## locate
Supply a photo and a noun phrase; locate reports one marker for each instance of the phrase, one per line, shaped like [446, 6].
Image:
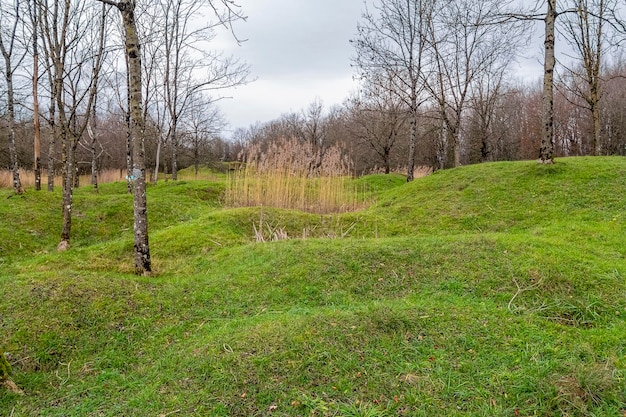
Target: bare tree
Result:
[546, 151]
[201, 123]
[392, 39]
[486, 99]
[314, 130]
[590, 33]
[70, 48]
[93, 117]
[33, 12]
[143, 264]
[614, 109]
[186, 54]
[465, 47]
[608, 14]
[379, 119]
[9, 24]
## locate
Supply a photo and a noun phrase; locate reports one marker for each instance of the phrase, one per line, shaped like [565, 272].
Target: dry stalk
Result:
[521, 290]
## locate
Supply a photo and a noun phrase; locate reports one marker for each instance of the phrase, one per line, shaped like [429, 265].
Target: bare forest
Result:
[439, 87]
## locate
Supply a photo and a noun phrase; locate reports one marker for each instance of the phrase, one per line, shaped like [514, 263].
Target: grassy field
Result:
[488, 290]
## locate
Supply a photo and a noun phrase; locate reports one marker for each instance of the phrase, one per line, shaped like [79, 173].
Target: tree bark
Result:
[597, 129]
[52, 143]
[68, 182]
[410, 176]
[94, 154]
[174, 142]
[142, 248]
[157, 163]
[546, 152]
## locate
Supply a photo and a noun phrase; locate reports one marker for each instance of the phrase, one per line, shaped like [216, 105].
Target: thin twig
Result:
[521, 290]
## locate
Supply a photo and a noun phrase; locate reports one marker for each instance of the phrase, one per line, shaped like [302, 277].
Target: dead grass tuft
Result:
[585, 388]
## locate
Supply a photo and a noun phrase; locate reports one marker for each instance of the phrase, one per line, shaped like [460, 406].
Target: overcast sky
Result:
[299, 51]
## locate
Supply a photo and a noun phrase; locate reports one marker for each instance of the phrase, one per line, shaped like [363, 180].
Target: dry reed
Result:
[295, 175]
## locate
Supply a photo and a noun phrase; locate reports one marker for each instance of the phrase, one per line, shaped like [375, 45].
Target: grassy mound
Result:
[489, 290]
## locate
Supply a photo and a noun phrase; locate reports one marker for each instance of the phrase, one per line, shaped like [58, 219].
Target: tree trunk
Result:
[155, 175]
[457, 148]
[36, 125]
[142, 248]
[196, 158]
[51, 146]
[442, 146]
[34, 18]
[597, 130]
[546, 152]
[174, 143]
[68, 182]
[386, 159]
[17, 184]
[129, 155]
[54, 128]
[412, 143]
[94, 154]
[76, 176]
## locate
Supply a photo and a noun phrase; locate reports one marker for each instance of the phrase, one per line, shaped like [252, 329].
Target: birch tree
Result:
[143, 265]
[9, 25]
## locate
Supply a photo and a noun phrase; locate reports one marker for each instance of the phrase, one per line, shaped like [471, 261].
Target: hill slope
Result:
[493, 290]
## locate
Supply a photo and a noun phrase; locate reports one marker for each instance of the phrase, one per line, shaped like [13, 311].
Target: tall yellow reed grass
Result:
[291, 174]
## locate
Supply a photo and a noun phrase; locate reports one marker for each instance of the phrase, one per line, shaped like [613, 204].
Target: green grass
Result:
[489, 290]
